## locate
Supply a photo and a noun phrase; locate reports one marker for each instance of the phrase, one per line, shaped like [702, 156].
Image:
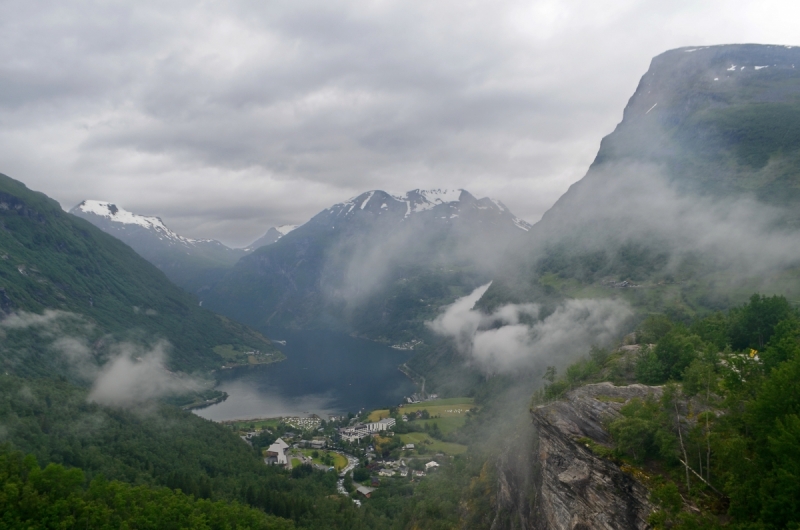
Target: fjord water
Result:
[324, 373]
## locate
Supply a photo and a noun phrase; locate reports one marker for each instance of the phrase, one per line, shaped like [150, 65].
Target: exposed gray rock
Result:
[575, 489]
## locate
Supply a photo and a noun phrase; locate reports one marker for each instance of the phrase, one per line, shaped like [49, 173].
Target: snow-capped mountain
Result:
[449, 205]
[371, 263]
[124, 219]
[191, 263]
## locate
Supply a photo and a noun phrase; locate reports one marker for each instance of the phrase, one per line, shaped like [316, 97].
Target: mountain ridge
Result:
[192, 264]
[57, 261]
[330, 271]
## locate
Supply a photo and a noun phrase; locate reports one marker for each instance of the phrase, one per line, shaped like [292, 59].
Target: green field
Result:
[435, 446]
[450, 414]
[446, 424]
[437, 407]
[377, 415]
[245, 426]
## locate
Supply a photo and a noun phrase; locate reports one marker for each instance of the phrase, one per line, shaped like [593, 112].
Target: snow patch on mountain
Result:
[119, 215]
[285, 229]
[438, 196]
[417, 201]
[499, 205]
[364, 204]
[521, 224]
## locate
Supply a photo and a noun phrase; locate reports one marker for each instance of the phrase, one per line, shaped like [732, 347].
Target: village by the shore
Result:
[369, 449]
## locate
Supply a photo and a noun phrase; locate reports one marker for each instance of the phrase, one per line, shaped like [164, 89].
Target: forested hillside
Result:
[58, 497]
[52, 260]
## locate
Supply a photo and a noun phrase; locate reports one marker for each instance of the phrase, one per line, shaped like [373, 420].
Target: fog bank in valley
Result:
[514, 337]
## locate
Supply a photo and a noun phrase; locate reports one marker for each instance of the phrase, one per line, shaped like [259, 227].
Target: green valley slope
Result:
[50, 259]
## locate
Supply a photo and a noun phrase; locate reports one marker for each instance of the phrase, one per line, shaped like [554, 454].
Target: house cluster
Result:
[393, 468]
[418, 414]
[304, 424]
[362, 430]
[248, 437]
[257, 352]
[277, 453]
[406, 345]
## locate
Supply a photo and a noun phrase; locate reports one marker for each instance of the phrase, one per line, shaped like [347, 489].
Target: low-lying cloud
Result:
[634, 202]
[123, 375]
[514, 336]
[46, 321]
[136, 375]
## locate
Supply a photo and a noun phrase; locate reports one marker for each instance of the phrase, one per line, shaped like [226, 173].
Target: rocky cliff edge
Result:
[574, 488]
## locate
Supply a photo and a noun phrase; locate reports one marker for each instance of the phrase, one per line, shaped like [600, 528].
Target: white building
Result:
[431, 465]
[356, 432]
[387, 423]
[382, 425]
[362, 430]
[276, 453]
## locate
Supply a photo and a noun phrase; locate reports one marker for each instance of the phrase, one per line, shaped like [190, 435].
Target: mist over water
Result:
[324, 373]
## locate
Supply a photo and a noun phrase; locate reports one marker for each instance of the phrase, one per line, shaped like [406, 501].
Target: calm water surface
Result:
[324, 373]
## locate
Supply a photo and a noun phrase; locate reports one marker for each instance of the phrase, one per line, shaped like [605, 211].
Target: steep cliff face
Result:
[568, 486]
[708, 132]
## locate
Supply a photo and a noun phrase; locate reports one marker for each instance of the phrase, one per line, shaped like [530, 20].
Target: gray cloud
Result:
[514, 336]
[635, 202]
[228, 117]
[46, 321]
[358, 267]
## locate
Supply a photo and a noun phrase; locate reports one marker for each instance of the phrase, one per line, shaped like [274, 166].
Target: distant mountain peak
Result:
[191, 263]
[418, 201]
[114, 213]
[270, 237]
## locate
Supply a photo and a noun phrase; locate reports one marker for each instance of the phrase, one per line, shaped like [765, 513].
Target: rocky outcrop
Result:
[573, 487]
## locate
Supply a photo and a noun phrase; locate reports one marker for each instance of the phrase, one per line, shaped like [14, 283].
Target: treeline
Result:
[724, 435]
[162, 446]
[57, 497]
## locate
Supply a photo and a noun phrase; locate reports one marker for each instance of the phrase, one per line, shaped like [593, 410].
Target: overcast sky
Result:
[225, 118]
